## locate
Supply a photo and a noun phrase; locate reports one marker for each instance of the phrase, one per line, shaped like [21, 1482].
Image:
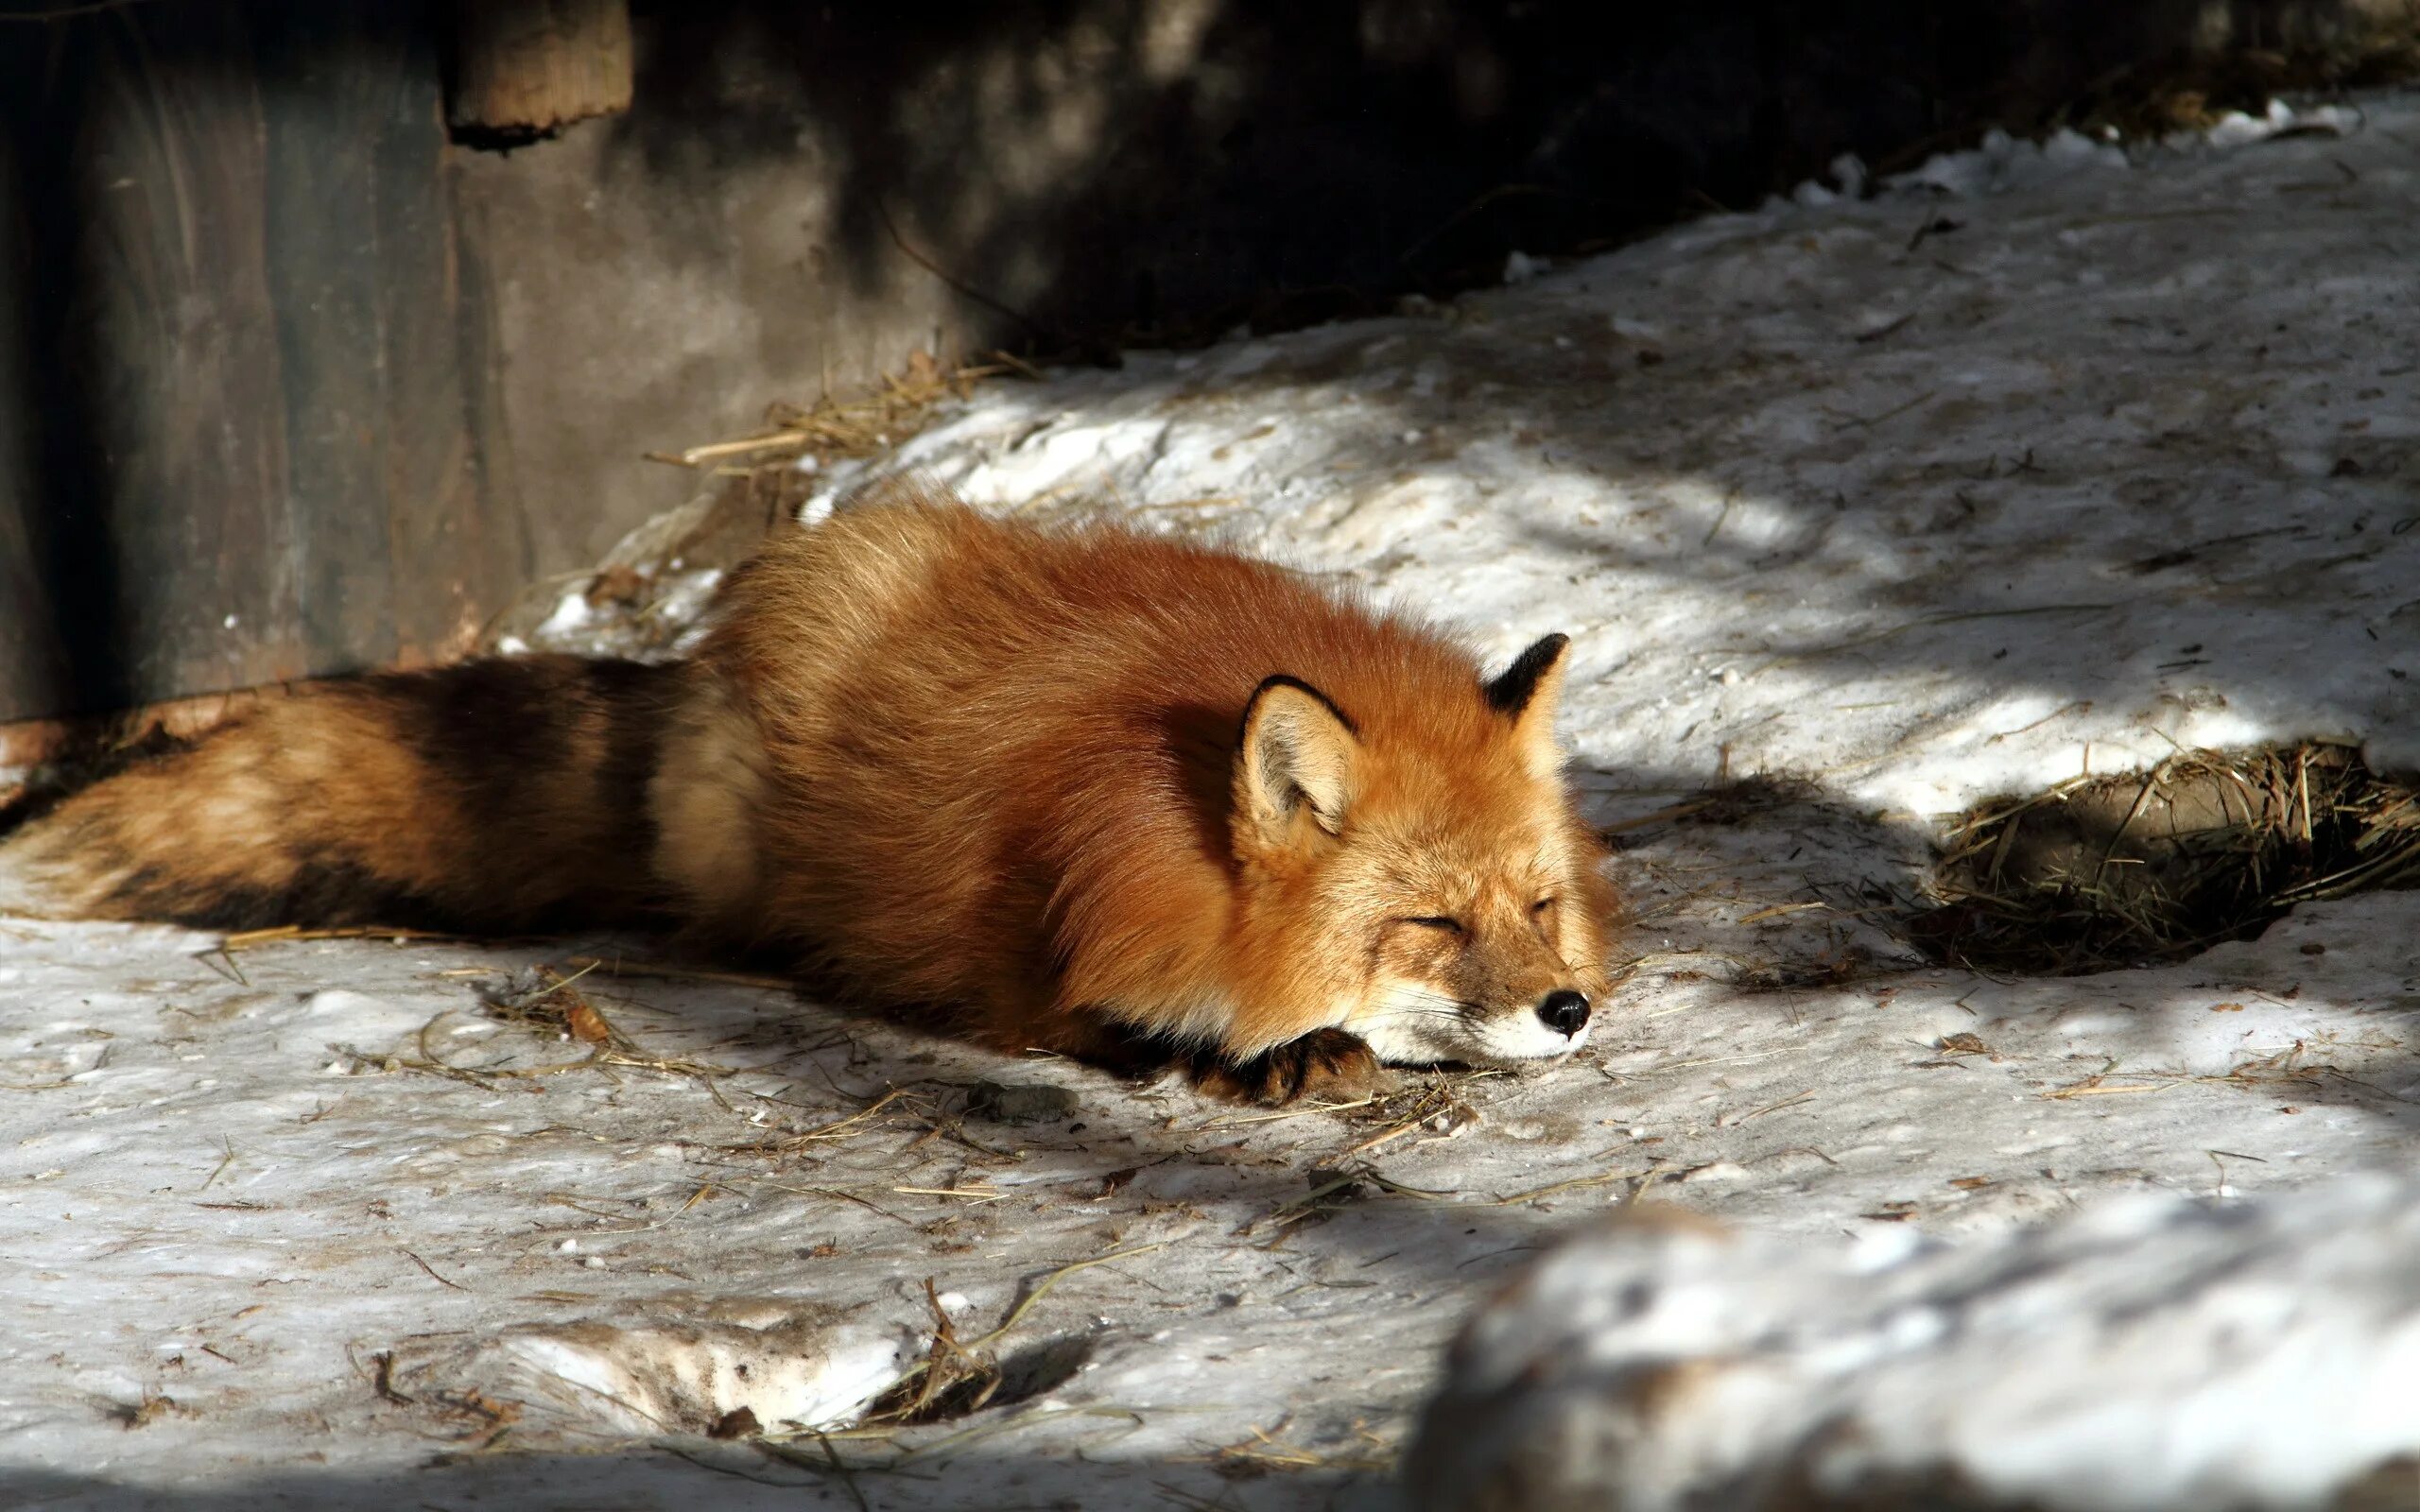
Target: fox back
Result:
[1056, 787]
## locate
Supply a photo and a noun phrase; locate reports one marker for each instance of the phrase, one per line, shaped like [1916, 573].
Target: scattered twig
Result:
[224, 1162]
[950, 1360]
[1572, 1185]
[959, 285]
[432, 1273]
[683, 973]
[1775, 1107]
[1865, 421]
[246, 939]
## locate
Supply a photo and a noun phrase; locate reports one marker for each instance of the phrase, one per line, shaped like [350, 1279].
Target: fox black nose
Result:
[1563, 1011]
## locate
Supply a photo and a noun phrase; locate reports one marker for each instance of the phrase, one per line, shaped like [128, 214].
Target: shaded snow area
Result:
[2149, 1355]
[1861, 510]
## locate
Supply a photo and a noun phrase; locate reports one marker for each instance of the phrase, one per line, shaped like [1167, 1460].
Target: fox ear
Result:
[1297, 757]
[1527, 693]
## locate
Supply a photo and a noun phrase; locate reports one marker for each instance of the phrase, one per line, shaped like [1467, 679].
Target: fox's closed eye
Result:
[1542, 905]
[1437, 921]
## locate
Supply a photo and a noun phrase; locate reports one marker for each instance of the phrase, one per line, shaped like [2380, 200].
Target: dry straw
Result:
[833, 430]
[2155, 866]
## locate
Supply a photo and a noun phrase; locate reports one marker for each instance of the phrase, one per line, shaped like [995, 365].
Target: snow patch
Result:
[571, 615]
[794, 1369]
[2145, 1356]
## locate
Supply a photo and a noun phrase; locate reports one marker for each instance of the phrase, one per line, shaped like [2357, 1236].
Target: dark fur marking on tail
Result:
[498, 728]
[503, 734]
[1511, 692]
[492, 729]
[640, 698]
[325, 894]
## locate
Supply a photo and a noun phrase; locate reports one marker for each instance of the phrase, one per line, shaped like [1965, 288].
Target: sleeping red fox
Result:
[1078, 791]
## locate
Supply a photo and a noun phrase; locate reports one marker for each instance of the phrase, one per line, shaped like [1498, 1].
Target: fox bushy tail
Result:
[495, 795]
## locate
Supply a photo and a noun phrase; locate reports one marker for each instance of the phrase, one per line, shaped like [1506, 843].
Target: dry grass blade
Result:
[541, 998]
[1779, 910]
[895, 1110]
[1575, 1183]
[2096, 1087]
[681, 973]
[2288, 1066]
[1131, 1419]
[1265, 1448]
[1042, 1288]
[842, 1126]
[828, 1464]
[959, 1375]
[947, 1365]
[1436, 1105]
[246, 939]
[833, 430]
[1331, 1188]
[1308, 1111]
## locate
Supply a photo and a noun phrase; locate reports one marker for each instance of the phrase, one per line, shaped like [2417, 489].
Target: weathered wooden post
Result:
[524, 69]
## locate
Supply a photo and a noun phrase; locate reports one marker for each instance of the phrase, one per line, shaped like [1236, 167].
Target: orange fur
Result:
[1059, 787]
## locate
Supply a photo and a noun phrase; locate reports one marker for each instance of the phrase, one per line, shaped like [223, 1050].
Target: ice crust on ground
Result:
[2150, 1354]
[1901, 501]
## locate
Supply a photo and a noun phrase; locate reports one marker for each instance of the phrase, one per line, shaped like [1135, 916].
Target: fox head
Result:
[1421, 879]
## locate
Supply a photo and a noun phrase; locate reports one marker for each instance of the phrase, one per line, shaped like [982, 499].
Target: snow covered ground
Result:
[2049, 461]
[2149, 1355]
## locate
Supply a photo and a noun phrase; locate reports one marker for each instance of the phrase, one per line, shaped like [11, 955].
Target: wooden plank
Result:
[40, 419]
[455, 522]
[182, 360]
[400, 555]
[333, 79]
[402, 550]
[239, 446]
[527, 68]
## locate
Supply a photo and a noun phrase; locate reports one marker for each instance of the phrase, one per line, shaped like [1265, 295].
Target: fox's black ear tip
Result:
[1511, 692]
[1285, 680]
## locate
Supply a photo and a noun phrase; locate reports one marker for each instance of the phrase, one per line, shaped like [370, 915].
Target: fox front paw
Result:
[1325, 1063]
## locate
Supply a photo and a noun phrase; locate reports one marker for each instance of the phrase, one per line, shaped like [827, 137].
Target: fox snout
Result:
[1531, 1026]
[1541, 1027]
[1413, 1021]
[1564, 1011]
[1522, 998]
